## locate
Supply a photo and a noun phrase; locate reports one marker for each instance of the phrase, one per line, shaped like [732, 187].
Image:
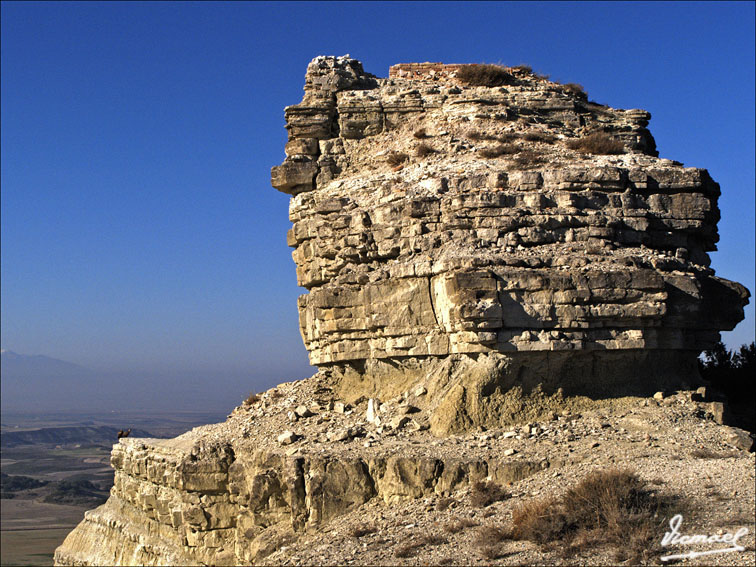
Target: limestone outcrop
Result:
[489, 269]
[438, 223]
[237, 493]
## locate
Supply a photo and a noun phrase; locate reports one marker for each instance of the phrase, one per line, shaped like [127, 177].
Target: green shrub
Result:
[731, 373]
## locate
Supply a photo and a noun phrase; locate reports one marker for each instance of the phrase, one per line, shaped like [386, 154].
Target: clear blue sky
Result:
[139, 228]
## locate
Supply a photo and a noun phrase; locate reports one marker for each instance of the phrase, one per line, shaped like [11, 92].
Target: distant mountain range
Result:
[95, 435]
[14, 365]
[41, 383]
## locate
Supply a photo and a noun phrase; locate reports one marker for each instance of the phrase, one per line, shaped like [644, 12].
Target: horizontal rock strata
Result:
[234, 493]
[231, 494]
[435, 219]
[472, 263]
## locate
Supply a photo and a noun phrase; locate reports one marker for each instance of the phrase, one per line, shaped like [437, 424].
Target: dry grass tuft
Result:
[539, 137]
[362, 530]
[500, 150]
[606, 507]
[424, 150]
[482, 75]
[486, 493]
[528, 158]
[704, 453]
[574, 89]
[523, 69]
[252, 399]
[396, 158]
[459, 524]
[445, 503]
[597, 143]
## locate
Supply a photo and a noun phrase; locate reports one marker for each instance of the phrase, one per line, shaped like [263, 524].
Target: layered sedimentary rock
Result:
[232, 493]
[437, 223]
[467, 263]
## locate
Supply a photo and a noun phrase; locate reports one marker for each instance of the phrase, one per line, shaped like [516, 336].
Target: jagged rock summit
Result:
[492, 262]
[477, 238]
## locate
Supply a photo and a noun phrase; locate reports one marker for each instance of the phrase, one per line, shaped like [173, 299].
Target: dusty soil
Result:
[673, 443]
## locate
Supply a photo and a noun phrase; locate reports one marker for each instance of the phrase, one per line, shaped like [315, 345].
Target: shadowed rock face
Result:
[434, 220]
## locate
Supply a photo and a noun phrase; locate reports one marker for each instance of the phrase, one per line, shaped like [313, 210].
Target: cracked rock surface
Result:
[435, 220]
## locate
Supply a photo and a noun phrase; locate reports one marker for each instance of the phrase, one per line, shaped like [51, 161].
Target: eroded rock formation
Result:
[445, 230]
[465, 266]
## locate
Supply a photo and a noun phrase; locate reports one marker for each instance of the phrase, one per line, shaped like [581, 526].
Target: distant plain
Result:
[75, 473]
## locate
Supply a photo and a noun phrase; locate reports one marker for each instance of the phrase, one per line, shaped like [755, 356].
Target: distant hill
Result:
[71, 492]
[14, 365]
[97, 435]
[34, 382]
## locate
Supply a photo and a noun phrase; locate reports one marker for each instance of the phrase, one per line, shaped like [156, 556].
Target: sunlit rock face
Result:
[469, 262]
[439, 224]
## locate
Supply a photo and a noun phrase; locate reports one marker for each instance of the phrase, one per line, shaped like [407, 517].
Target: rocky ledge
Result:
[294, 473]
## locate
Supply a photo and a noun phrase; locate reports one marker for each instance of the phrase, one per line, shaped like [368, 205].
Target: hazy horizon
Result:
[141, 238]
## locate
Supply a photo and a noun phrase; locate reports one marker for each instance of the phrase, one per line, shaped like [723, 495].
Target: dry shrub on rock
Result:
[482, 75]
[597, 143]
[251, 399]
[362, 530]
[424, 150]
[500, 150]
[486, 493]
[611, 507]
[396, 158]
[459, 524]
